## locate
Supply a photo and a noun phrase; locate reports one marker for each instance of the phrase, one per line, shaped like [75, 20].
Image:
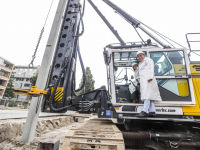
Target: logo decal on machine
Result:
[165, 110]
[159, 110]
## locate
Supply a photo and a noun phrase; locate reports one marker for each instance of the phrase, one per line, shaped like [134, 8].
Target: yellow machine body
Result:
[194, 110]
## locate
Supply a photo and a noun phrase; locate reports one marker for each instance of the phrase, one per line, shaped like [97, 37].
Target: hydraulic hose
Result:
[74, 77]
[136, 136]
[79, 54]
[81, 21]
[54, 91]
[74, 82]
[83, 70]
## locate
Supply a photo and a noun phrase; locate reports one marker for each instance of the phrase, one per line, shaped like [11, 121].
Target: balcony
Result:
[8, 69]
[5, 65]
[4, 75]
[2, 87]
[2, 84]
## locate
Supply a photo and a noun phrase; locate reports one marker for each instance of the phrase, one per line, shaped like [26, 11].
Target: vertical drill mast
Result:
[64, 61]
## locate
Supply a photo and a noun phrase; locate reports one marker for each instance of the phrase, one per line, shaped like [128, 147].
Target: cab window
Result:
[168, 63]
[123, 73]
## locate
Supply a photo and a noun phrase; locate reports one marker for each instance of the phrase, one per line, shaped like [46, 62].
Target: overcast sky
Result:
[22, 21]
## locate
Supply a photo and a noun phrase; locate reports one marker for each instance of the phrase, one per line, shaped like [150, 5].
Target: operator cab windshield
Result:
[123, 73]
[123, 67]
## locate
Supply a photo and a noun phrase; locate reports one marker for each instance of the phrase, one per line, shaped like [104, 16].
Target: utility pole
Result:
[32, 118]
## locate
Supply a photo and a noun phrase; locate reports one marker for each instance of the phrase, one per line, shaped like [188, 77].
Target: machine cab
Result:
[171, 70]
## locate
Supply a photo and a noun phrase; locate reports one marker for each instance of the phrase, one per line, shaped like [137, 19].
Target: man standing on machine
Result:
[148, 86]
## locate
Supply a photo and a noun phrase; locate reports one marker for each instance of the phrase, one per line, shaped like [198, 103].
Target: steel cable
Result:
[40, 37]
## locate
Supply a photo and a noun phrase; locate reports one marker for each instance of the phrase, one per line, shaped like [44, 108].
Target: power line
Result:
[169, 39]
[159, 34]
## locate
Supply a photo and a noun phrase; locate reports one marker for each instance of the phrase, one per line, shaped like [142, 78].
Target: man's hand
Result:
[149, 80]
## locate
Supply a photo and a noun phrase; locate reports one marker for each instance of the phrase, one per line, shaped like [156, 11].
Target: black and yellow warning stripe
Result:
[59, 94]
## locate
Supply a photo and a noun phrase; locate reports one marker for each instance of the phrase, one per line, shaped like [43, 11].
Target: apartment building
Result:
[22, 79]
[6, 68]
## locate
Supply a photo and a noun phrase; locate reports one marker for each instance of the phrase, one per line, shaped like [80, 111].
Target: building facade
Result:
[22, 79]
[6, 68]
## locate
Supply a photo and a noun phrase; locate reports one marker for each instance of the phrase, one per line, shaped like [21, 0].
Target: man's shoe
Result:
[152, 114]
[142, 114]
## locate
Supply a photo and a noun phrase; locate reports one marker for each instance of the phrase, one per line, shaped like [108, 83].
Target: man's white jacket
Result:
[148, 90]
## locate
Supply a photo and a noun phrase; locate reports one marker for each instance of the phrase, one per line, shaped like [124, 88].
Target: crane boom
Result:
[134, 22]
[107, 22]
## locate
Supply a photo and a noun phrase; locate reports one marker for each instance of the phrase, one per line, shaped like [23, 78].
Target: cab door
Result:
[172, 72]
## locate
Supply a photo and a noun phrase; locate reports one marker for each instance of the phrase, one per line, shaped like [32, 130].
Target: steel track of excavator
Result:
[94, 134]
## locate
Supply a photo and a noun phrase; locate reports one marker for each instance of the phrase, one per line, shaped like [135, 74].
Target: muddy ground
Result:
[47, 128]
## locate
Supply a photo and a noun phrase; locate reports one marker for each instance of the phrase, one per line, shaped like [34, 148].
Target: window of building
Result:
[27, 85]
[6, 65]
[23, 69]
[32, 69]
[3, 63]
[18, 85]
[31, 74]
[21, 74]
[19, 79]
[27, 79]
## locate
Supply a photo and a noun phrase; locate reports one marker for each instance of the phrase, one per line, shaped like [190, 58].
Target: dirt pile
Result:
[11, 131]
